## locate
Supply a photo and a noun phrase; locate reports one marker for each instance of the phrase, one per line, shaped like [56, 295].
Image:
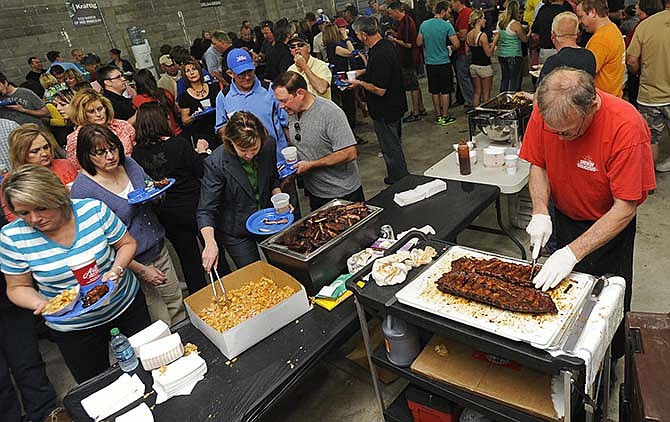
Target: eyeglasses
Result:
[296, 45]
[566, 134]
[103, 152]
[96, 110]
[296, 126]
[120, 76]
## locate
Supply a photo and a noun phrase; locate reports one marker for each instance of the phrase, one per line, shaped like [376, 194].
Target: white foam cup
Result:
[351, 75]
[511, 163]
[290, 154]
[280, 201]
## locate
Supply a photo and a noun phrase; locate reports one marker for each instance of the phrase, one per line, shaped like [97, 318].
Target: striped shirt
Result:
[24, 249]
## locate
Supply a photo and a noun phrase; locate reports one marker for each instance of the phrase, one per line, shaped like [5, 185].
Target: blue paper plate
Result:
[286, 169]
[79, 306]
[141, 195]
[204, 112]
[340, 83]
[256, 225]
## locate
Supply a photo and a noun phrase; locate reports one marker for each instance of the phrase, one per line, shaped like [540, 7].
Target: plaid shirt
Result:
[6, 127]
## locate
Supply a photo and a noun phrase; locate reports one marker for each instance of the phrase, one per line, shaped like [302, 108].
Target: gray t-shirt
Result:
[323, 130]
[212, 59]
[27, 99]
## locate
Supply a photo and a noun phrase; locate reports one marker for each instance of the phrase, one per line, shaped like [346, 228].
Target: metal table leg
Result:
[567, 389]
[368, 350]
[501, 230]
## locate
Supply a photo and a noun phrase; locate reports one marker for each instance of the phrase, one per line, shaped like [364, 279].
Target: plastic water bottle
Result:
[123, 351]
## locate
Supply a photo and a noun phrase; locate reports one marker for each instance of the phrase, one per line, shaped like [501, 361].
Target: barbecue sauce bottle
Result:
[464, 157]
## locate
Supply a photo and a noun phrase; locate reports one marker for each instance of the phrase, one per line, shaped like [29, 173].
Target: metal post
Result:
[567, 399]
[368, 350]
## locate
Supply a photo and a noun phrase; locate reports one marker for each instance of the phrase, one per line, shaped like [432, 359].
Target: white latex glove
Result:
[539, 230]
[557, 267]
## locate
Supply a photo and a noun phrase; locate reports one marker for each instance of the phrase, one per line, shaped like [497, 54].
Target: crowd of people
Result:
[77, 137]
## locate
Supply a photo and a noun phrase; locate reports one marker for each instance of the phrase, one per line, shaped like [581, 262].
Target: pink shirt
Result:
[124, 130]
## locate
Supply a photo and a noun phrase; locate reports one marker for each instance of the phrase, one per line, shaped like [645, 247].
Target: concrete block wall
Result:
[33, 27]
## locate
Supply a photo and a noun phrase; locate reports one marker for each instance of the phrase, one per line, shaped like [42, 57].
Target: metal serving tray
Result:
[321, 266]
[541, 331]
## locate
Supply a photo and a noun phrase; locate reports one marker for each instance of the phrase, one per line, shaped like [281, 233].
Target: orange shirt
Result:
[612, 159]
[608, 47]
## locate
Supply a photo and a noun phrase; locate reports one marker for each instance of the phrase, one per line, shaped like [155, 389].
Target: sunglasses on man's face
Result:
[296, 45]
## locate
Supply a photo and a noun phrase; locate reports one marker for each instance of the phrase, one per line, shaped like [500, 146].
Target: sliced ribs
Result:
[496, 292]
[494, 267]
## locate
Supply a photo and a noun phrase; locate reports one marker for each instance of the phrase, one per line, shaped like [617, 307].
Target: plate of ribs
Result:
[151, 190]
[316, 230]
[91, 297]
[268, 221]
[495, 293]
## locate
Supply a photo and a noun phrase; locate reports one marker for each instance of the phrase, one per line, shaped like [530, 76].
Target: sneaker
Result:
[59, 414]
[439, 120]
[663, 166]
[446, 121]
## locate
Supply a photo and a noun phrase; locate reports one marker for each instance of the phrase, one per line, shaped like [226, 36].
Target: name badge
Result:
[205, 103]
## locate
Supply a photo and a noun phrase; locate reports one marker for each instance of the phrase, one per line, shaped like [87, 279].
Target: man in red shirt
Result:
[408, 54]
[462, 63]
[591, 152]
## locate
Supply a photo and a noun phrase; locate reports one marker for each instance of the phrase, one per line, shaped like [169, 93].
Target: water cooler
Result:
[141, 49]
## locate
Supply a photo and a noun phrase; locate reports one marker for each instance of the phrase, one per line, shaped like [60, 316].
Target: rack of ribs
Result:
[496, 292]
[494, 267]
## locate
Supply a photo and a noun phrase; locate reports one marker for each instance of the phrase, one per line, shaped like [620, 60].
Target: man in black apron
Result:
[591, 152]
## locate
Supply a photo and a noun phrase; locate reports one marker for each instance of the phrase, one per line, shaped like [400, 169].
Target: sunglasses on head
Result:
[296, 45]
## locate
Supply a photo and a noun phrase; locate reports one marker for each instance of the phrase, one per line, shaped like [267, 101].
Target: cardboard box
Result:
[241, 337]
[507, 382]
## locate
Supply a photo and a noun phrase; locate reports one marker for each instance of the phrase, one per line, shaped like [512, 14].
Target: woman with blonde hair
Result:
[34, 144]
[71, 78]
[511, 35]
[481, 71]
[47, 80]
[91, 107]
[52, 229]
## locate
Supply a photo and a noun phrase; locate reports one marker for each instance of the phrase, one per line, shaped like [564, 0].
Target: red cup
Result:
[86, 270]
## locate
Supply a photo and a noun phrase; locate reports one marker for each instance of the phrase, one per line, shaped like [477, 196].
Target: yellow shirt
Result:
[529, 11]
[320, 69]
[608, 47]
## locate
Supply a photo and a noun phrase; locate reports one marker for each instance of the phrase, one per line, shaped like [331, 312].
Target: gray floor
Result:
[339, 390]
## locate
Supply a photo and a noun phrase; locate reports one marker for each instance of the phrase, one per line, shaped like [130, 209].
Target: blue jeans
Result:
[463, 77]
[510, 68]
[388, 135]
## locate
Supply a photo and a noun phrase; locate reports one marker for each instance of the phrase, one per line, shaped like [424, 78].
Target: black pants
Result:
[347, 102]
[316, 202]
[182, 231]
[615, 257]
[20, 354]
[86, 351]
[242, 250]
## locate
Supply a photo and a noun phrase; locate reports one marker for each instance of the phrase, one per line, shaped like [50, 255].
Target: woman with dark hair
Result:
[199, 96]
[279, 58]
[148, 91]
[162, 155]
[108, 175]
[239, 180]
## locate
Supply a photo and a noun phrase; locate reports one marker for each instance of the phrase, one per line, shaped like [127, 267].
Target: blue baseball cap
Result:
[239, 61]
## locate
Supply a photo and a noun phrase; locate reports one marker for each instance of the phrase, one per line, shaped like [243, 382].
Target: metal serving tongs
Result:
[534, 262]
[217, 298]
